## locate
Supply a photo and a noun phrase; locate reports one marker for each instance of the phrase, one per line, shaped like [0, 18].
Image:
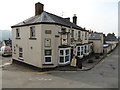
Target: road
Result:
[103, 75]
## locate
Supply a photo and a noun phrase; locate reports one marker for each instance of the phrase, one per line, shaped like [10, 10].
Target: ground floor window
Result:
[20, 52]
[79, 50]
[86, 49]
[48, 56]
[64, 55]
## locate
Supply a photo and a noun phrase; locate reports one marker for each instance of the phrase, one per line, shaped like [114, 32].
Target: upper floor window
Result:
[72, 33]
[32, 32]
[63, 30]
[85, 35]
[17, 33]
[78, 34]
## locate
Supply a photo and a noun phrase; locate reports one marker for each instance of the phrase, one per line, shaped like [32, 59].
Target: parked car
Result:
[6, 48]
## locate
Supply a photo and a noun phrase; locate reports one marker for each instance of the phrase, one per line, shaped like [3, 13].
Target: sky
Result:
[97, 15]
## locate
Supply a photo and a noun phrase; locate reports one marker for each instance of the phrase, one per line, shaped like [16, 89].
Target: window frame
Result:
[20, 52]
[79, 34]
[80, 51]
[72, 33]
[17, 33]
[64, 55]
[85, 49]
[61, 55]
[32, 32]
[50, 56]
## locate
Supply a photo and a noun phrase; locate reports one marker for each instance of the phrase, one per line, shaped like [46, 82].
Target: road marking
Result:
[43, 73]
[40, 79]
[102, 61]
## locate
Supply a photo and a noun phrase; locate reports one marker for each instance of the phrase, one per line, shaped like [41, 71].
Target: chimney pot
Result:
[39, 7]
[75, 19]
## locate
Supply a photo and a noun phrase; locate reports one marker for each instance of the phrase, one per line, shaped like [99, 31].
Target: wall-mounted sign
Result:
[48, 32]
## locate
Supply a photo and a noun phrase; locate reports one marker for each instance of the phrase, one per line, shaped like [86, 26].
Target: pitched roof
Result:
[110, 37]
[95, 36]
[48, 18]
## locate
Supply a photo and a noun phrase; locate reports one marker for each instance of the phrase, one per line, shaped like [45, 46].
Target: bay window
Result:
[79, 51]
[64, 55]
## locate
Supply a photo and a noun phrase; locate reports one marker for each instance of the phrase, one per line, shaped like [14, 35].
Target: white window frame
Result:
[88, 50]
[20, 52]
[61, 55]
[81, 55]
[85, 49]
[47, 56]
[64, 55]
[82, 50]
[32, 32]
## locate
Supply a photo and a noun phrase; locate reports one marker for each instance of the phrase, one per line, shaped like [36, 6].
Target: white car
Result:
[5, 50]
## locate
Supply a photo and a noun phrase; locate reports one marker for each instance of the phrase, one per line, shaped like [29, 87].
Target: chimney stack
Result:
[75, 19]
[39, 7]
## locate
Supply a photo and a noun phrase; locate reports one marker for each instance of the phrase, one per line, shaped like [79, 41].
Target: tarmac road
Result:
[103, 75]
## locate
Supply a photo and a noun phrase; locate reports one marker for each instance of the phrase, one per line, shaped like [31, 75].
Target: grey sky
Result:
[97, 15]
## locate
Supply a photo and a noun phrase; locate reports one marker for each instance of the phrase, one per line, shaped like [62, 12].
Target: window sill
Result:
[18, 38]
[20, 58]
[48, 64]
[32, 38]
[64, 63]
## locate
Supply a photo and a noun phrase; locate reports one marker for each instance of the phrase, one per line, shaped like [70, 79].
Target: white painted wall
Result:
[33, 50]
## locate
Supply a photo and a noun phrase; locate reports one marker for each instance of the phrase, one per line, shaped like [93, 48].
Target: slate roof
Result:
[48, 18]
[95, 36]
[110, 37]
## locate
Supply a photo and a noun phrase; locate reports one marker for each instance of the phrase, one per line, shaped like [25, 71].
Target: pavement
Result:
[85, 64]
